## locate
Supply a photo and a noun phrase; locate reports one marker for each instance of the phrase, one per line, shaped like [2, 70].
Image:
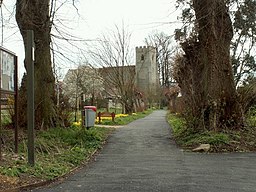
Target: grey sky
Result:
[97, 16]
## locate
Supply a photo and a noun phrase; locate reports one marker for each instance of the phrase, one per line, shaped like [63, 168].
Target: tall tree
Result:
[163, 44]
[34, 15]
[205, 73]
[113, 54]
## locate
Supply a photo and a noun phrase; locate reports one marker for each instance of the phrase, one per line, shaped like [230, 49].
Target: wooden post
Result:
[99, 115]
[113, 116]
[16, 139]
[0, 116]
[30, 96]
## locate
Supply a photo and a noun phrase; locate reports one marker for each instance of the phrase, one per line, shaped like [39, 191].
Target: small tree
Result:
[83, 81]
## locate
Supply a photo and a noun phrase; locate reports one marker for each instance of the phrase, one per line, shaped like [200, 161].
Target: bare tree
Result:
[163, 44]
[112, 53]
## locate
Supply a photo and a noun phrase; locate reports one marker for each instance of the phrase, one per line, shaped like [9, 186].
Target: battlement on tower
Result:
[144, 48]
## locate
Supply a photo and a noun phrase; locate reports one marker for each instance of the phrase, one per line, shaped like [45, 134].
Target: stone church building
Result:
[144, 73]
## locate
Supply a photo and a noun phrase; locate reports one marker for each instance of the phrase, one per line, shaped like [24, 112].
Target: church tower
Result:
[147, 79]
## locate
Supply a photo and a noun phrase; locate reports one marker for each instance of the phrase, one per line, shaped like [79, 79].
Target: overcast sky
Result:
[142, 16]
[96, 16]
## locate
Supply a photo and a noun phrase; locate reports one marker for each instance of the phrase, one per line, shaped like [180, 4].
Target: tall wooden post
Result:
[0, 116]
[30, 96]
[16, 140]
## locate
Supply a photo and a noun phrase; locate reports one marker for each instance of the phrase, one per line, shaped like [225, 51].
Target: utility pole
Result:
[30, 58]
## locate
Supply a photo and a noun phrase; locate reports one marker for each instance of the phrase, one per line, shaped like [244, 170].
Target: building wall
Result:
[146, 70]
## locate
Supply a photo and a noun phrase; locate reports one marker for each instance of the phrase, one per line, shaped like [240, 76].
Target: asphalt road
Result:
[143, 157]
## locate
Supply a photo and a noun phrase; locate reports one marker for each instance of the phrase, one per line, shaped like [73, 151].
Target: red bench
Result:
[106, 114]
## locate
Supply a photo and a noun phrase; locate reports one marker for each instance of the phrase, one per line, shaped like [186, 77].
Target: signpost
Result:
[30, 96]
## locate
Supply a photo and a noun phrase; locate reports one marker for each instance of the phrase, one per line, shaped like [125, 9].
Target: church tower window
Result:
[142, 58]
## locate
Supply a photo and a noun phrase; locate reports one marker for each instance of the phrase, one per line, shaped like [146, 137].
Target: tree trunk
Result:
[213, 97]
[34, 15]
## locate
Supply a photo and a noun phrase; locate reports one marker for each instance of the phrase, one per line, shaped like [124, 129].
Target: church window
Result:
[142, 58]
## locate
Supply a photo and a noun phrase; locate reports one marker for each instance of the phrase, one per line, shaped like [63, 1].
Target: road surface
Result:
[143, 157]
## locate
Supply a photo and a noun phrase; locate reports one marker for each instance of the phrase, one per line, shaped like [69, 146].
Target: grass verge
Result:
[225, 141]
[58, 151]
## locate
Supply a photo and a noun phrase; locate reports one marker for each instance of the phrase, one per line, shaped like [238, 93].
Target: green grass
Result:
[187, 137]
[251, 117]
[5, 118]
[57, 151]
[127, 119]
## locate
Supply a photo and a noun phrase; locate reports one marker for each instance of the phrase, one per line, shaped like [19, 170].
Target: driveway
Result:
[142, 156]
